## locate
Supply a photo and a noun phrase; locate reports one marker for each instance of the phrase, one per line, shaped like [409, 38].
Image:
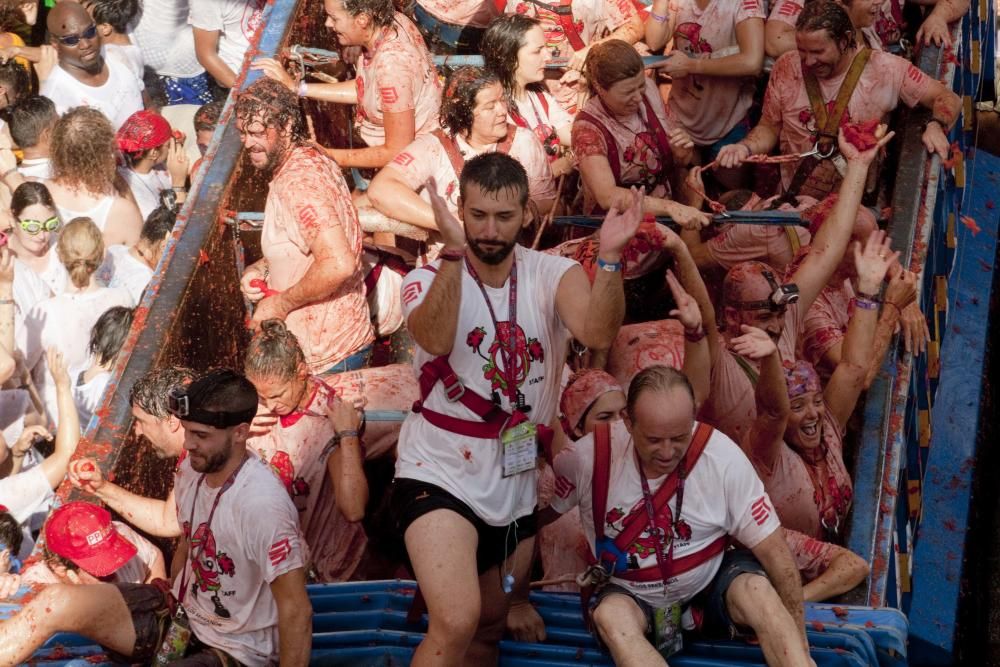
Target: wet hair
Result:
[610, 62]
[656, 378]
[272, 104]
[16, 79]
[503, 39]
[223, 390]
[81, 250]
[207, 116]
[28, 194]
[30, 118]
[109, 334]
[149, 393]
[494, 172]
[458, 103]
[383, 12]
[274, 352]
[155, 89]
[84, 151]
[159, 223]
[10, 533]
[826, 15]
[116, 13]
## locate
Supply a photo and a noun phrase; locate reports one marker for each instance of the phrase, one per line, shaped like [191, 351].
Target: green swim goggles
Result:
[35, 226]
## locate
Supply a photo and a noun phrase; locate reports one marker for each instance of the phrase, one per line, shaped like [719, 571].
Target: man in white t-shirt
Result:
[222, 33]
[83, 77]
[698, 490]
[31, 123]
[242, 583]
[491, 321]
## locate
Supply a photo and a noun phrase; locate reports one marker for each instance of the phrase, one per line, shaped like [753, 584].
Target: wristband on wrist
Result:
[610, 267]
[6, 302]
[657, 17]
[694, 335]
[303, 88]
[865, 304]
[452, 254]
[348, 433]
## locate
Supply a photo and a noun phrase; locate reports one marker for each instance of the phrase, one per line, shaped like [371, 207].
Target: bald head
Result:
[73, 33]
[61, 18]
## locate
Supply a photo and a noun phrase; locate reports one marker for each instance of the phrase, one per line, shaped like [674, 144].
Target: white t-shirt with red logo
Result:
[722, 496]
[471, 468]
[254, 538]
[236, 21]
[886, 81]
[398, 76]
[702, 34]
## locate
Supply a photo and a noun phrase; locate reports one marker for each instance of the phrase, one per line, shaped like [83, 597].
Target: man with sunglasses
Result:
[82, 76]
[241, 586]
[756, 295]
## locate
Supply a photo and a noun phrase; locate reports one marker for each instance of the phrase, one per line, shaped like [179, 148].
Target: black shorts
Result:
[709, 604]
[410, 499]
[152, 608]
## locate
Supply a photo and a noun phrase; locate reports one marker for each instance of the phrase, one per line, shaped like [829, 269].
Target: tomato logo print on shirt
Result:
[253, 18]
[665, 530]
[210, 564]
[526, 350]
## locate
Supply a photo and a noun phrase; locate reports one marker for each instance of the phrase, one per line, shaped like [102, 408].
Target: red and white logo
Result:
[411, 292]
[404, 159]
[760, 510]
[564, 487]
[279, 551]
[790, 9]
[308, 216]
[389, 94]
[914, 74]
[750, 5]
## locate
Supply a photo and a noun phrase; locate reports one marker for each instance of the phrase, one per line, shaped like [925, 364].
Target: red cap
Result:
[142, 131]
[83, 533]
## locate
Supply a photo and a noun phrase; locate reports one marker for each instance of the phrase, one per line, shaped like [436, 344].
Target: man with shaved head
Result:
[757, 295]
[83, 77]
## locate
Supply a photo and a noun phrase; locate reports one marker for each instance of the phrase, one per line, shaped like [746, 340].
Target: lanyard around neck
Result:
[658, 534]
[508, 344]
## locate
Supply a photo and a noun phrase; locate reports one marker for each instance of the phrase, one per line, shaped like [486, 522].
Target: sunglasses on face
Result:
[35, 226]
[73, 40]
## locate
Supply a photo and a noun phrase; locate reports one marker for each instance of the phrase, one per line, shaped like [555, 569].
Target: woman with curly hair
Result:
[84, 176]
[396, 93]
[58, 321]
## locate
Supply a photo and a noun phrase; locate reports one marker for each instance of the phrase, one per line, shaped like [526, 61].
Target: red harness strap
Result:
[494, 418]
[637, 522]
[564, 15]
[455, 156]
[652, 123]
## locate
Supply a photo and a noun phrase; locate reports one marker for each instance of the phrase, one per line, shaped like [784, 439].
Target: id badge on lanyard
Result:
[667, 637]
[520, 448]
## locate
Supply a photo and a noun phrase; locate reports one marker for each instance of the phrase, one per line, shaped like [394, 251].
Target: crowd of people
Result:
[654, 414]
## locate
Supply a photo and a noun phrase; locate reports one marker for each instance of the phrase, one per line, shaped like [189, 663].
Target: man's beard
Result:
[492, 257]
[273, 157]
[213, 463]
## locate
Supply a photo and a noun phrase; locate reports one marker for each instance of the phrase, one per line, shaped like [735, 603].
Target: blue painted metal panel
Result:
[940, 541]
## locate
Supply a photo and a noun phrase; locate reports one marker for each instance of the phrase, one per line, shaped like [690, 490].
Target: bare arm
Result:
[433, 323]
[68, 430]
[830, 242]
[345, 464]
[767, 433]
[845, 385]
[945, 106]
[779, 37]
[692, 282]
[157, 569]
[400, 128]
[762, 139]
[294, 618]
[7, 363]
[935, 28]
[748, 62]
[774, 555]
[124, 223]
[658, 32]
[846, 570]
[390, 195]
[156, 517]
[206, 49]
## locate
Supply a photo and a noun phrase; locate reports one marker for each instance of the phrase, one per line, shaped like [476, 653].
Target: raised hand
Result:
[874, 261]
[177, 162]
[272, 69]
[753, 344]
[620, 225]
[687, 311]
[57, 367]
[451, 229]
[852, 154]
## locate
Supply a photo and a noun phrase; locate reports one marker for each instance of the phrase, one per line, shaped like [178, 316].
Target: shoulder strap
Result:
[749, 370]
[633, 528]
[451, 150]
[601, 477]
[612, 147]
[544, 103]
[828, 124]
[653, 121]
[793, 239]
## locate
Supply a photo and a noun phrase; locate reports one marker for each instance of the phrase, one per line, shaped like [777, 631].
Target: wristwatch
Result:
[610, 267]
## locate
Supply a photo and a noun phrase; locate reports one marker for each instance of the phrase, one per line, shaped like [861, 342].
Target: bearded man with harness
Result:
[492, 321]
[661, 496]
[829, 81]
